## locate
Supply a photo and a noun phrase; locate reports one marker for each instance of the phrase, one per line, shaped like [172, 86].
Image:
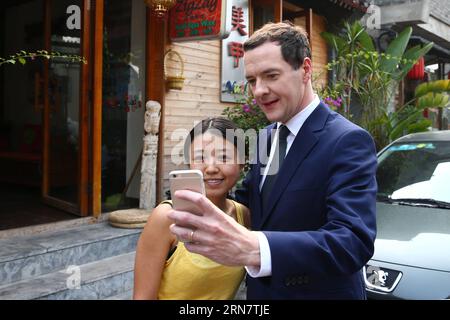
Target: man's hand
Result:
[214, 235]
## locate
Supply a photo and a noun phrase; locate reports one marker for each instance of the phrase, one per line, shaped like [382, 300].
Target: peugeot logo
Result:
[384, 280]
[377, 276]
[382, 276]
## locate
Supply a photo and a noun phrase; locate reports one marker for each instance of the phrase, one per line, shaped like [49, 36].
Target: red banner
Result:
[196, 20]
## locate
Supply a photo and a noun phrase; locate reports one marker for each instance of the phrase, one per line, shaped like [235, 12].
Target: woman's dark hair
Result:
[219, 126]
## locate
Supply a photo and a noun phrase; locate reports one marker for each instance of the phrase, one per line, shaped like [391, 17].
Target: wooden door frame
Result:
[46, 111]
[277, 10]
[156, 41]
[80, 208]
[308, 14]
[85, 84]
[95, 203]
[154, 90]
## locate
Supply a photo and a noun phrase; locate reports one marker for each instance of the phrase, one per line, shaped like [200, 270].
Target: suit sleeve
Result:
[345, 242]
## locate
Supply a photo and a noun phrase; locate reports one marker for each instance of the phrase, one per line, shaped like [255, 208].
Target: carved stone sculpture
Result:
[150, 155]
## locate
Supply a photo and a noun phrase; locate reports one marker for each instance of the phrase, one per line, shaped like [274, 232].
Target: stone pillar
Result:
[147, 199]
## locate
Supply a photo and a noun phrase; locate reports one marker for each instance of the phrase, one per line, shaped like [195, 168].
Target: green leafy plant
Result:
[332, 98]
[23, 56]
[245, 113]
[409, 117]
[369, 79]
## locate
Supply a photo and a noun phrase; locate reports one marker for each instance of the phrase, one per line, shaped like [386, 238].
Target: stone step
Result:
[127, 295]
[26, 257]
[91, 281]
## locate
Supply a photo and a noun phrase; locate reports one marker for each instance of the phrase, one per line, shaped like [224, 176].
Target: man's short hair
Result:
[292, 39]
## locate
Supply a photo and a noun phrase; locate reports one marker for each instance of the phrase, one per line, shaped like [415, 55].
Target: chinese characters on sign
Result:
[233, 76]
[237, 19]
[197, 20]
[236, 50]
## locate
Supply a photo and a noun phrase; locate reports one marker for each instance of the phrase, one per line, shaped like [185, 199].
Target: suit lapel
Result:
[264, 141]
[263, 149]
[302, 145]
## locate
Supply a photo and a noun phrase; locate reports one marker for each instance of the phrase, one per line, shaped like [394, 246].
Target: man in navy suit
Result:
[313, 223]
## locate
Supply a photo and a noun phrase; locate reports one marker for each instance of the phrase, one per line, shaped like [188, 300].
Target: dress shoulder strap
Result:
[239, 212]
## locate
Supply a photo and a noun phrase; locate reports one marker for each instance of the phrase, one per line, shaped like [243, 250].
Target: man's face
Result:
[278, 89]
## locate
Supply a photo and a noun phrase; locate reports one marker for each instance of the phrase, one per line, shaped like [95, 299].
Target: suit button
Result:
[287, 281]
[300, 280]
[305, 279]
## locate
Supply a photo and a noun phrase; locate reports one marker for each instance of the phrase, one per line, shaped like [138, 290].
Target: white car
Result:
[412, 247]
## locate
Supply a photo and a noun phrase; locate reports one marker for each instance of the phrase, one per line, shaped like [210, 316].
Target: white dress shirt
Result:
[294, 125]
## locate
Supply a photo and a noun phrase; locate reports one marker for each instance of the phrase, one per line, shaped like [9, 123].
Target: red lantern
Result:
[418, 70]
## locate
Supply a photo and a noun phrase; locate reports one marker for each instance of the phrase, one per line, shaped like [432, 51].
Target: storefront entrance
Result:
[71, 133]
[43, 110]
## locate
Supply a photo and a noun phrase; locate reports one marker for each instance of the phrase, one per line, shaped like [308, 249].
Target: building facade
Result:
[71, 133]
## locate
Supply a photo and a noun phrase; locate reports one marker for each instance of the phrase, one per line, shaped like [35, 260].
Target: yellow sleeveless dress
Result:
[190, 276]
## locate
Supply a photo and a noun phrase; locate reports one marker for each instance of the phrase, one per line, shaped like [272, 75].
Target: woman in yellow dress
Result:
[164, 268]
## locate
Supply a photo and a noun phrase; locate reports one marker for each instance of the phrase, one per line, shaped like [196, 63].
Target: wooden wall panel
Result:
[319, 48]
[199, 98]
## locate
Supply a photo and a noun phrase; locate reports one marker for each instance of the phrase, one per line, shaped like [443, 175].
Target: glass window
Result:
[418, 170]
[64, 94]
[262, 13]
[123, 102]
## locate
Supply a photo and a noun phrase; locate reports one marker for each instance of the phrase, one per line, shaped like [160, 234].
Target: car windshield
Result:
[415, 171]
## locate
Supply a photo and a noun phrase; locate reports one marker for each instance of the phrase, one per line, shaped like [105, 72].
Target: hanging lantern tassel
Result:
[418, 70]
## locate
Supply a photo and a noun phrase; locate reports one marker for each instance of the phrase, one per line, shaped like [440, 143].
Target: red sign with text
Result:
[197, 20]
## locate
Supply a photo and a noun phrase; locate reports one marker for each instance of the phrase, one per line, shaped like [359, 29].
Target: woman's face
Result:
[217, 158]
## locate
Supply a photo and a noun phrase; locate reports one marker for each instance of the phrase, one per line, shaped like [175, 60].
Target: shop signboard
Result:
[232, 71]
[198, 20]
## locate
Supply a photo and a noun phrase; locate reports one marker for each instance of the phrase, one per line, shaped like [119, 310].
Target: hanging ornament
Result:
[418, 70]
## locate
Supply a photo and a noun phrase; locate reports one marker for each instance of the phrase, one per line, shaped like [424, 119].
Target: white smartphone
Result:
[186, 180]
